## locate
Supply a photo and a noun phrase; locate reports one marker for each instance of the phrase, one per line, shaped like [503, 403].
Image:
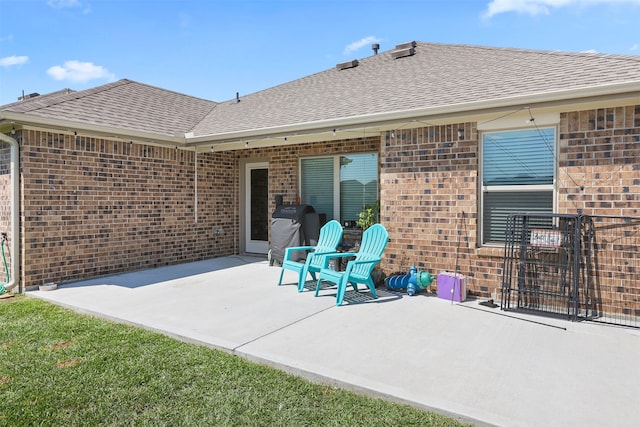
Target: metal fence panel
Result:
[542, 263]
[612, 274]
[576, 266]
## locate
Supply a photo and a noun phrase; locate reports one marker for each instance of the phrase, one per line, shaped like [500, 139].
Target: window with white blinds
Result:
[517, 175]
[317, 182]
[339, 186]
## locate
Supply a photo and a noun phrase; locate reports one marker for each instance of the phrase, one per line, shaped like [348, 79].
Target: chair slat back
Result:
[374, 241]
[328, 241]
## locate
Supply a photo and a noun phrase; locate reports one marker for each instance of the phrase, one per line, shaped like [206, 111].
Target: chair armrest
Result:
[329, 255]
[287, 251]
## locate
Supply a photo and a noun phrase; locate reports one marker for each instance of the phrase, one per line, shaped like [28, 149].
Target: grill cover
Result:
[293, 225]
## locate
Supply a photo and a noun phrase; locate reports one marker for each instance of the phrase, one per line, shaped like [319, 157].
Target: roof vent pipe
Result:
[375, 47]
[237, 97]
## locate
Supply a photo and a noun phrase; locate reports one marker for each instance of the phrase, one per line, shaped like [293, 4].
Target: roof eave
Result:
[91, 129]
[630, 89]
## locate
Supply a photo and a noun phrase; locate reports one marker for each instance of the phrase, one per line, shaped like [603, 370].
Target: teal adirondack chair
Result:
[328, 241]
[374, 240]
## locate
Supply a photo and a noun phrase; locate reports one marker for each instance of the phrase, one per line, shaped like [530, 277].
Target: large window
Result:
[517, 175]
[340, 186]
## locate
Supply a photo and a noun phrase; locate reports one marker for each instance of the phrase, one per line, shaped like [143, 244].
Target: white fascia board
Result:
[631, 88]
[88, 128]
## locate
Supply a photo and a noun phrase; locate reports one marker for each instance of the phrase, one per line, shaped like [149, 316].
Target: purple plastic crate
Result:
[452, 284]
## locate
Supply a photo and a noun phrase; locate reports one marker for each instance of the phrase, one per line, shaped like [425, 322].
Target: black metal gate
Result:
[579, 267]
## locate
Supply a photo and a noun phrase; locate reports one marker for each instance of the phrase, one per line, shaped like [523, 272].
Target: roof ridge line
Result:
[620, 56]
[83, 93]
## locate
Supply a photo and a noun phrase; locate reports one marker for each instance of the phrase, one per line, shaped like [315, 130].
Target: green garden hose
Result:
[6, 269]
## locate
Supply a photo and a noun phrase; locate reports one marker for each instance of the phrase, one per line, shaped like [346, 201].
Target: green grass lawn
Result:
[63, 368]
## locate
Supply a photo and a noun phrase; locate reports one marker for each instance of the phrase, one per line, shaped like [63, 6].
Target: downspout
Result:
[15, 212]
[195, 185]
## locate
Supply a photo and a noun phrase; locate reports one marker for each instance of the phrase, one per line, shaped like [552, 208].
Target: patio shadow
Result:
[353, 297]
[136, 279]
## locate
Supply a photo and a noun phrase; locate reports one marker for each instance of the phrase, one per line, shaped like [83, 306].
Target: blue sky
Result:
[214, 48]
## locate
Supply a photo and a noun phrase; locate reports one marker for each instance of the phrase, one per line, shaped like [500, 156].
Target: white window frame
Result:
[336, 177]
[483, 189]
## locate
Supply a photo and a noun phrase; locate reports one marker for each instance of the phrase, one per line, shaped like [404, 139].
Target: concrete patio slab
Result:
[481, 365]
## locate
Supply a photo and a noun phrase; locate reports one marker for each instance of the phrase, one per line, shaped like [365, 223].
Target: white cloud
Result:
[76, 71]
[589, 51]
[635, 47]
[540, 7]
[9, 61]
[61, 4]
[360, 44]
[68, 4]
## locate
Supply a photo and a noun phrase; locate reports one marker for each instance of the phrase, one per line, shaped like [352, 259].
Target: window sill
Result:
[490, 251]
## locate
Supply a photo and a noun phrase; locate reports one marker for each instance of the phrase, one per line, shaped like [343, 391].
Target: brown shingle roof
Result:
[124, 104]
[437, 75]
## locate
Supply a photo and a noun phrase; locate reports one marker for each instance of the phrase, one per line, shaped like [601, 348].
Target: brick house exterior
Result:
[100, 207]
[429, 198]
[101, 197]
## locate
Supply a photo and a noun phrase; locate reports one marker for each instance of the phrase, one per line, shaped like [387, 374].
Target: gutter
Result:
[15, 212]
[631, 88]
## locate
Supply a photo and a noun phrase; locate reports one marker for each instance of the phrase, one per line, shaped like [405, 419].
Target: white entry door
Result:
[257, 208]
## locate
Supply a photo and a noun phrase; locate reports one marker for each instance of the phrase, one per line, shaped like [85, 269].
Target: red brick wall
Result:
[429, 200]
[600, 161]
[94, 206]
